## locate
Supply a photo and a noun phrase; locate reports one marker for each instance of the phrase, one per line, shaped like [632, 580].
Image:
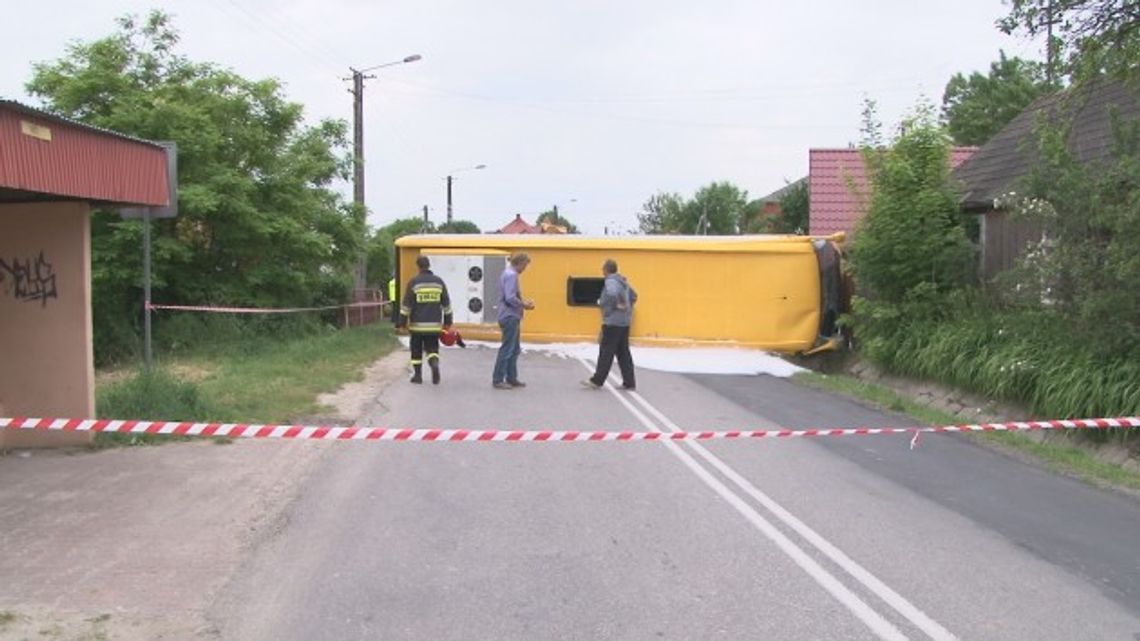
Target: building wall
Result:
[1005, 239]
[45, 318]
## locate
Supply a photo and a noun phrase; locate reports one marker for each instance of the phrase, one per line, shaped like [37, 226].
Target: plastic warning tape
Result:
[244, 430]
[259, 310]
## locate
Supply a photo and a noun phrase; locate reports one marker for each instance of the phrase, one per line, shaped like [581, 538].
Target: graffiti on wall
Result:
[29, 280]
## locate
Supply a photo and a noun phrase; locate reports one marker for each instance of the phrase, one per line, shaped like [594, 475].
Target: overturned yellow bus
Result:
[780, 293]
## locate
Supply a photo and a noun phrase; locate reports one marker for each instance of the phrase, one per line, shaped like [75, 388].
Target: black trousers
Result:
[424, 342]
[615, 342]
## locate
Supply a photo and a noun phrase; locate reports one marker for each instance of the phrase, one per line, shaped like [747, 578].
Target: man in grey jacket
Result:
[616, 302]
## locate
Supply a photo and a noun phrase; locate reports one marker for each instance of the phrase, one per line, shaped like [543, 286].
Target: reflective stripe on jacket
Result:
[426, 306]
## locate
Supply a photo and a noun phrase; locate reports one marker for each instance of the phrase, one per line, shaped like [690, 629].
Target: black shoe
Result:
[417, 379]
[434, 373]
[629, 388]
[516, 383]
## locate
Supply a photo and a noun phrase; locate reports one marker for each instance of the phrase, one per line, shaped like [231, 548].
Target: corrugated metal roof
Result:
[1009, 156]
[51, 155]
[47, 115]
[838, 189]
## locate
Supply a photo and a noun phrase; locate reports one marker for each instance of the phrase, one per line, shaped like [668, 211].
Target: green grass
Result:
[1063, 458]
[253, 380]
[877, 395]
[1034, 359]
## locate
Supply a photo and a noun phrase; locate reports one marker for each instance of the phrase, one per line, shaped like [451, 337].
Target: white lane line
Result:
[880, 626]
[904, 607]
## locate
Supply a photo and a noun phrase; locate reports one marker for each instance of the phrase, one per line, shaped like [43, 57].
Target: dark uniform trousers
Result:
[422, 342]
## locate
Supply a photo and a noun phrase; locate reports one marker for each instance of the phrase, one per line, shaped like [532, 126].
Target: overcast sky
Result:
[592, 105]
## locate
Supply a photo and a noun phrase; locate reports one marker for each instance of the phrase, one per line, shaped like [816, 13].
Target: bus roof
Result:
[644, 243]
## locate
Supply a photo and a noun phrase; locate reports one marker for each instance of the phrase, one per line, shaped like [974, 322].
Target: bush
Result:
[911, 252]
[1040, 337]
[1087, 266]
[912, 246]
[1025, 357]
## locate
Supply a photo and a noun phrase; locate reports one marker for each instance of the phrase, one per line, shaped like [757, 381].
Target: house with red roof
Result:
[839, 193]
[520, 226]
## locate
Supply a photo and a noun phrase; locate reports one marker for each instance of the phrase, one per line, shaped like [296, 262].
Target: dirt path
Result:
[136, 543]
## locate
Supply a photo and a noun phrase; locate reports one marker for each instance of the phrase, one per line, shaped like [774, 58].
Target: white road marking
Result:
[876, 622]
[892, 598]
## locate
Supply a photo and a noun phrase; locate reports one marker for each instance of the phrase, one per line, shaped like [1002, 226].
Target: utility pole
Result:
[449, 180]
[424, 227]
[358, 77]
[357, 92]
[449, 199]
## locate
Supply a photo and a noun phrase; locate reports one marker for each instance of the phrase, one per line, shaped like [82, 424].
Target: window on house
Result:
[584, 292]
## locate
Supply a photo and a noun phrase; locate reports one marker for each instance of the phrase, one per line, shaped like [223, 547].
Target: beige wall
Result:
[46, 365]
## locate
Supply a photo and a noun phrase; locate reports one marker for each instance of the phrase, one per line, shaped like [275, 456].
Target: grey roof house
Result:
[1006, 160]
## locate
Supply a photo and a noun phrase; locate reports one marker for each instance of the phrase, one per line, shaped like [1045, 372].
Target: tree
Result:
[912, 234]
[911, 248]
[258, 222]
[977, 107]
[1088, 36]
[870, 127]
[794, 209]
[755, 222]
[552, 217]
[659, 213]
[459, 227]
[717, 208]
[382, 247]
[793, 217]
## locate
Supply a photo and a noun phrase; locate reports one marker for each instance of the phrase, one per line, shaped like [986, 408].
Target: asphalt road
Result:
[840, 538]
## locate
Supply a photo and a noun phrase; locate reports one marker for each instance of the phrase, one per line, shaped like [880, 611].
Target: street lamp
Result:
[449, 180]
[411, 58]
[357, 92]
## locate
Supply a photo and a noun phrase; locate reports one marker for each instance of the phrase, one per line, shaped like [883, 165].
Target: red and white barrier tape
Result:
[406, 434]
[259, 310]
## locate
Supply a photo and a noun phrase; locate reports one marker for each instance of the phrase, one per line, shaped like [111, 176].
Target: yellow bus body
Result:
[754, 291]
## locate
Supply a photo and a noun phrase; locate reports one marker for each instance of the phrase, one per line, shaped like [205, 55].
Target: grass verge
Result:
[257, 381]
[1067, 459]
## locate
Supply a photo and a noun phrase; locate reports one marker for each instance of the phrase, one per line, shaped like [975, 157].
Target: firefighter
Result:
[426, 312]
